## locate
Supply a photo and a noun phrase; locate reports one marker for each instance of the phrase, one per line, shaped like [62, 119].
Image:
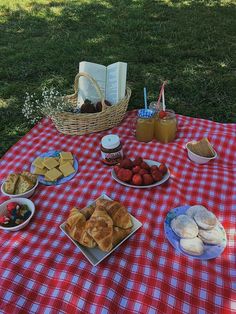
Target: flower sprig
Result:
[49, 104]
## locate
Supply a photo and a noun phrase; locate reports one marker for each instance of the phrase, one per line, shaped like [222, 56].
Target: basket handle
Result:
[95, 84]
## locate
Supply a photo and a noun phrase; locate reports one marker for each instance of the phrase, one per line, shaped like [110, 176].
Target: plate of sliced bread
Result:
[99, 228]
[195, 231]
[54, 167]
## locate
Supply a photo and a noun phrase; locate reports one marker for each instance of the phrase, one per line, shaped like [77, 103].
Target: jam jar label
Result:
[112, 157]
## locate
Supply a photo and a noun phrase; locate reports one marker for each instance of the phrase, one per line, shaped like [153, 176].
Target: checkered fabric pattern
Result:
[42, 271]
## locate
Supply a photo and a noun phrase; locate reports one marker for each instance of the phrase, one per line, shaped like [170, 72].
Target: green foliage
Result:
[189, 43]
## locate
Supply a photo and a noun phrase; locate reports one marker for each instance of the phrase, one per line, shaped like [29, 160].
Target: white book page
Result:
[116, 82]
[86, 88]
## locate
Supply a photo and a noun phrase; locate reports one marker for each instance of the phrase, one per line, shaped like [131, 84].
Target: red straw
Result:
[160, 94]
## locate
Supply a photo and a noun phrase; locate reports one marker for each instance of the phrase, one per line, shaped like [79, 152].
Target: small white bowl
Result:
[197, 158]
[23, 201]
[27, 194]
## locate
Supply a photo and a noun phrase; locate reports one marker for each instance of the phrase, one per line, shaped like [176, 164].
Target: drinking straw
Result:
[145, 97]
[161, 94]
[163, 100]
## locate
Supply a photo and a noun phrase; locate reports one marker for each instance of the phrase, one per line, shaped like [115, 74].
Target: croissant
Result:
[100, 228]
[75, 226]
[119, 234]
[88, 211]
[119, 214]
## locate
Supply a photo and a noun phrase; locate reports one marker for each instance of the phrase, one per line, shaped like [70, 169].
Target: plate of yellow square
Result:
[54, 167]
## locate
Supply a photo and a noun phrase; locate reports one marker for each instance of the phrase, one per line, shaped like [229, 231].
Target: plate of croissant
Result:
[99, 228]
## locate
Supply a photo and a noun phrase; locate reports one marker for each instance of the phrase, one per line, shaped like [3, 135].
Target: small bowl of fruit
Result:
[140, 173]
[15, 215]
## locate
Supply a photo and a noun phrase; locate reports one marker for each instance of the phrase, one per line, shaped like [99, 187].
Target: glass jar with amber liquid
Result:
[145, 125]
[165, 126]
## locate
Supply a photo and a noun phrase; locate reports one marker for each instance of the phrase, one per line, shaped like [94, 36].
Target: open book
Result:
[111, 80]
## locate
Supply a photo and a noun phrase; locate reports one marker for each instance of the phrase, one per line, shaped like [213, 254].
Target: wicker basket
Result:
[86, 123]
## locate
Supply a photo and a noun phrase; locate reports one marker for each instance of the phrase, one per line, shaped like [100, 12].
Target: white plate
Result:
[210, 251]
[150, 163]
[95, 255]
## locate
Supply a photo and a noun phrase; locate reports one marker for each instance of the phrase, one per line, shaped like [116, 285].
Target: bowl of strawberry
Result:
[15, 215]
[140, 173]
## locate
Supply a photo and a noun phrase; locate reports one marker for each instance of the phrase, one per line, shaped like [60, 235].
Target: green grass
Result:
[192, 44]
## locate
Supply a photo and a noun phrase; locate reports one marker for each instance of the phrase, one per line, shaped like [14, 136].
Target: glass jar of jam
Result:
[111, 149]
[165, 126]
[145, 125]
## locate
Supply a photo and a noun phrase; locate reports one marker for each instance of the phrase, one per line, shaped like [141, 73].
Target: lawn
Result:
[192, 44]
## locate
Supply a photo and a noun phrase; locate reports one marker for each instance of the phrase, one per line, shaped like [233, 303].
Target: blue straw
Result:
[145, 97]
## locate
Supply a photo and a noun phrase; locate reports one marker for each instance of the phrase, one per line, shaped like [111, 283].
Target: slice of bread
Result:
[24, 184]
[202, 148]
[10, 183]
[30, 176]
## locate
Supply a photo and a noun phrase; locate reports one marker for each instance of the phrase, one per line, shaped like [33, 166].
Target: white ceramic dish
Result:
[23, 201]
[197, 158]
[27, 194]
[150, 163]
[95, 255]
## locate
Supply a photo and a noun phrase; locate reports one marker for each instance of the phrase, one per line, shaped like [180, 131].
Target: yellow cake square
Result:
[66, 155]
[39, 171]
[50, 163]
[67, 169]
[53, 175]
[63, 161]
[38, 162]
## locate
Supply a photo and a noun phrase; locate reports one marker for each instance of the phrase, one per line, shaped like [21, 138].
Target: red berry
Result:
[126, 163]
[162, 114]
[163, 168]
[11, 206]
[136, 169]
[144, 165]
[147, 179]
[124, 175]
[154, 168]
[116, 169]
[143, 171]
[137, 179]
[137, 161]
[157, 176]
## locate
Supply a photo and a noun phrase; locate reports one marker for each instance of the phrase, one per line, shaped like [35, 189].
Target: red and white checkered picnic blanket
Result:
[42, 271]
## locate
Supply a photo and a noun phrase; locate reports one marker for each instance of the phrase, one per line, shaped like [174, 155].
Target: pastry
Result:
[24, 184]
[191, 211]
[38, 171]
[193, 246]
[202, 148]
[119, 234]
[184, 226]
[100, 228]
[75, 226]
[66, 156]
[88, 211]
[30, 176]
[67, 169]
[53, 175]
[50, 162]
[205, 219]
[119, 214]
[38, 162]
[212, 236]
[10, 183]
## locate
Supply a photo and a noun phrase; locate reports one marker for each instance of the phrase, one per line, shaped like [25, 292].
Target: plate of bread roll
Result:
[54, 167]
[195, 231]
[99, 228]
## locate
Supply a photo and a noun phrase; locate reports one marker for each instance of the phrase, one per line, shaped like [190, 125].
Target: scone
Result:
[193, 246]
[184, 226]
[205, 219]
[212, 236]
[191, 211]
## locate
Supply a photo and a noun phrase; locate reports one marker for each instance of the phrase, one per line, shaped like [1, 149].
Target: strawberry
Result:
[143, 171]
[163, 168]
[11, 206]
[137, 179]
[154, 168]
[157, 176]
[116, 169]
[136, 169]
[126, 163]
[124, 175]
[137, 161]
[162, 114]
[147, 179]
[144, 165]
